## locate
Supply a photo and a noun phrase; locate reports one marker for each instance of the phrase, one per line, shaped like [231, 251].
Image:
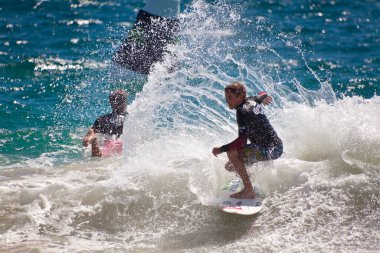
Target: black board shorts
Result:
[253, 153]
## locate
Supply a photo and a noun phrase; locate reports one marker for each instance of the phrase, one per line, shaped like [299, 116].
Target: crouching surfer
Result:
[253, 125]
[110, 125]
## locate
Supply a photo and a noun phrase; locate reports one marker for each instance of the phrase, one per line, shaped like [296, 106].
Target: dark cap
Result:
[118, 96]
[118, 99]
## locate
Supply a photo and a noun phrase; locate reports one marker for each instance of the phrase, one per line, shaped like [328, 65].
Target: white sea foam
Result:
[81, 22]
[163, 193]
[59, 64]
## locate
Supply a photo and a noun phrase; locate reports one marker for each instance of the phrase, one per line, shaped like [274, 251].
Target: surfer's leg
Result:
[238, 164]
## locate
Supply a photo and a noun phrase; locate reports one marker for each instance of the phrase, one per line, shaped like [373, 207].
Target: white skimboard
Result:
[239, 206]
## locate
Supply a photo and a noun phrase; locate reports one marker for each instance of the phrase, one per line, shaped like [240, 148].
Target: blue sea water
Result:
[320, 60]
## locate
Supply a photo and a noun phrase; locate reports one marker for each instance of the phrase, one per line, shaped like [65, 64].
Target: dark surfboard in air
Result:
[155, 27]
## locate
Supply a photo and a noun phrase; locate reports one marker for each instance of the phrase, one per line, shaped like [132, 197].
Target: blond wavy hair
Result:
[237, 88]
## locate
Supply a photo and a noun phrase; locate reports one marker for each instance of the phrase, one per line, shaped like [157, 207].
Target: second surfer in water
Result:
[110, 125]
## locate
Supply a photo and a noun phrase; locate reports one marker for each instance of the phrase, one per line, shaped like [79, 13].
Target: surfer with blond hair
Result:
[253, 126]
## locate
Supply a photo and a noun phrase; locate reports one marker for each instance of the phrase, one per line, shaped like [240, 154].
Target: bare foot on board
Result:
[244, 194]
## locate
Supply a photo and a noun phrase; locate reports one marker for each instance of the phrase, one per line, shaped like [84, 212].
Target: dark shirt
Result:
[253, 125]
[111, 124]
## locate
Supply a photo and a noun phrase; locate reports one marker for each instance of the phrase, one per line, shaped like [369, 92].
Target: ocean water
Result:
[320, 61]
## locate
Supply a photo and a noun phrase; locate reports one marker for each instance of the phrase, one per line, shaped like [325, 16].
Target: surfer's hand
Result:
[267, 100]
[216, 151]
[89, 138]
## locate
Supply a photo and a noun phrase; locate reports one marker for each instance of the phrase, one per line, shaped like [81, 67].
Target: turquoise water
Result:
[320, 60]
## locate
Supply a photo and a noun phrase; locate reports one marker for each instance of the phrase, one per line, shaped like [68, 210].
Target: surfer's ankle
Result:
[244, 194]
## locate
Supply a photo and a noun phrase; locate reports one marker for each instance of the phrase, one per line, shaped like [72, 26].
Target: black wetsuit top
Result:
[111, 124]
[253, 125]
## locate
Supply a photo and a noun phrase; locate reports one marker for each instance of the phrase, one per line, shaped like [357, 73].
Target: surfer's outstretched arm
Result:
[90, 137]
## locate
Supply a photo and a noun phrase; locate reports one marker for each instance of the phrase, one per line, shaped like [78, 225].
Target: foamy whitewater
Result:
[161, 195]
